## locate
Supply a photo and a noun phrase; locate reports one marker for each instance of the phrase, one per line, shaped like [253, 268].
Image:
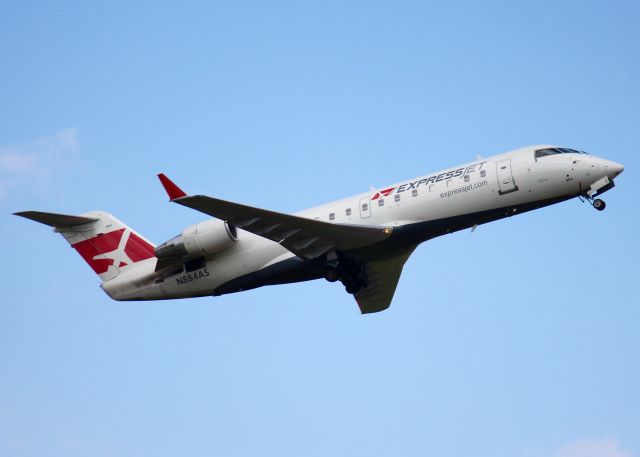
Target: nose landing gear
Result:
[597, 188]
[596, 203]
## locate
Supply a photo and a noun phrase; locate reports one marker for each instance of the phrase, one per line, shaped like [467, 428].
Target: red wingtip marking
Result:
[172, 189]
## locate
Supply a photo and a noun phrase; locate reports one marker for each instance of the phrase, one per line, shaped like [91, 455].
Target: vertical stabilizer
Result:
[104, 242]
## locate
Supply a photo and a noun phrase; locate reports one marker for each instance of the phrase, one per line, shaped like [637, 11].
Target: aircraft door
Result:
[506, 183]
[365, 208]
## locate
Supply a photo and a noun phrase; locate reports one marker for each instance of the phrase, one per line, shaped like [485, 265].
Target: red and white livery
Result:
[362, 241]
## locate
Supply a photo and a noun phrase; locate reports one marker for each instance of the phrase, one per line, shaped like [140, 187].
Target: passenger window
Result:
[431, 187]
[365, 207]
[332, 216]
[396, 198]
[467, 178]
[348, 212]
[381, 202]
[414, 193]
[483, 173]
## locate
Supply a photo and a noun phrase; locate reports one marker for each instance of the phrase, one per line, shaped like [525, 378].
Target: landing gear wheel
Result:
[353, 287]
[599, 204]
[353, 284]
[331, 275]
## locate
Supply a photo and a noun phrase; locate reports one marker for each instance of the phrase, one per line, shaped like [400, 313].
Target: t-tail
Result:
[110, 247]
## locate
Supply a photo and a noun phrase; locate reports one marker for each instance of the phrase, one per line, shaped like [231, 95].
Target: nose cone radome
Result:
[613, 169]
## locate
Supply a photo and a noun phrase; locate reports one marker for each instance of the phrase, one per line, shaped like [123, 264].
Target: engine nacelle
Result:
[198, 240]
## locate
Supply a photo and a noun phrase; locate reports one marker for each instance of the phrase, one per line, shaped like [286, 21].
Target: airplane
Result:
[362, 241]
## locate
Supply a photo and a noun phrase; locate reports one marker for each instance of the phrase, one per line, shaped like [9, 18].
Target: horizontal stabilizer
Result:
[56, 220]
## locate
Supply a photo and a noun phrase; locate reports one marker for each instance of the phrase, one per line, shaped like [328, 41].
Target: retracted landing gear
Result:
[353, 284]
[331, 275]
[353, 278]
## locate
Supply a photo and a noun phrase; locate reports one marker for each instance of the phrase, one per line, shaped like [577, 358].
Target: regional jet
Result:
[362, 241]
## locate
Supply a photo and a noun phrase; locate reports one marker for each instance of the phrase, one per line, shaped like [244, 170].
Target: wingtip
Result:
[173, 191]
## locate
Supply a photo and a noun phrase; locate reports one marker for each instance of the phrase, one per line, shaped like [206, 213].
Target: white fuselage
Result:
[492, 188]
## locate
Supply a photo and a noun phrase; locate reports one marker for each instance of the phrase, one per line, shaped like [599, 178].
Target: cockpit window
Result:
[551, 151]
[571, 151]
[546, 152]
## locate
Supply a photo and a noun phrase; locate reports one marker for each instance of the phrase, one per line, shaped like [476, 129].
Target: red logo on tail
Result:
[120, 248]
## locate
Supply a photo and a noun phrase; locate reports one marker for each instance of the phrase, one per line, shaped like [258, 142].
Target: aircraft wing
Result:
[307, 238]
[383, 276]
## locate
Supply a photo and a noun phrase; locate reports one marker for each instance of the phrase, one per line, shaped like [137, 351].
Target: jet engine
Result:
[198, 240]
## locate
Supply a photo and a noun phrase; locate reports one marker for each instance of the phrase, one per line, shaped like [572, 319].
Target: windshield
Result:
[551, 151]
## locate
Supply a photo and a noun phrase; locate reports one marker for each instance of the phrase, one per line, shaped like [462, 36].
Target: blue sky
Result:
[518, 339]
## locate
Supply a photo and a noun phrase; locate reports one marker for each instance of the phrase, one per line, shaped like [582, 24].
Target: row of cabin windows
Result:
[365, 206]
[396, 197]
[347, 212]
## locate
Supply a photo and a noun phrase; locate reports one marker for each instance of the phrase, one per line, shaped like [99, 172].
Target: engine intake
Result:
[200, 239]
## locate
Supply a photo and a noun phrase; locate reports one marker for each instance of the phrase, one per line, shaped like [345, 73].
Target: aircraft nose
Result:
[613, 169]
